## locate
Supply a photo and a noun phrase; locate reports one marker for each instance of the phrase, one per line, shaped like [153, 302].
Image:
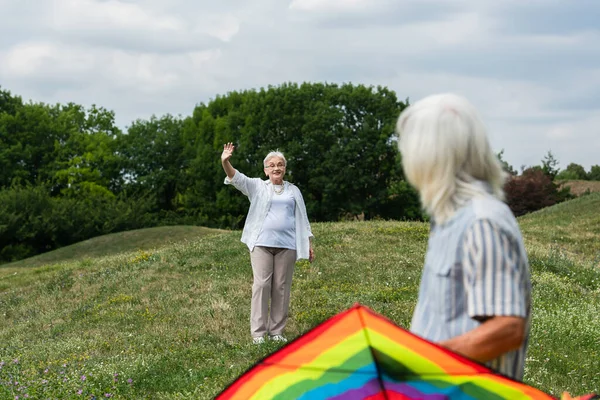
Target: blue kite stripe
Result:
[353, 381]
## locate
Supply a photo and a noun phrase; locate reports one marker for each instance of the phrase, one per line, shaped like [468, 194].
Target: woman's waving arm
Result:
[225, 156]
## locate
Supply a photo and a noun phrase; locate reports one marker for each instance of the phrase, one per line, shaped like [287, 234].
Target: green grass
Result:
[572, 227]
[173, 318]
[114, 243]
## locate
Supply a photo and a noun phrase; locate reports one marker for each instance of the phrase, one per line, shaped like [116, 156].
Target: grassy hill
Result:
[114, 243]
[171, 321]
[571, 228]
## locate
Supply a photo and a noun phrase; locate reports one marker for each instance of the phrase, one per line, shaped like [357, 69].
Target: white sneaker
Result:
[278, 338]
[258, 340]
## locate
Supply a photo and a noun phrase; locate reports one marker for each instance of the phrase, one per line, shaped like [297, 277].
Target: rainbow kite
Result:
[359, 354]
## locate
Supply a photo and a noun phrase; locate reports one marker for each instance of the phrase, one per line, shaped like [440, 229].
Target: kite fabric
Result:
[359, 354]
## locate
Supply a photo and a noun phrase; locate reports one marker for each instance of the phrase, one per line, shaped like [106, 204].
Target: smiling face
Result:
[275, 169]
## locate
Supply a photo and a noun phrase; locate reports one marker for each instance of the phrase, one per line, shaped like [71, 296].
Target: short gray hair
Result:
[446, 154]
[274, 153]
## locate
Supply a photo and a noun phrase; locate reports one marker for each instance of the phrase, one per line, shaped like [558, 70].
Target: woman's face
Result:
[275, 169]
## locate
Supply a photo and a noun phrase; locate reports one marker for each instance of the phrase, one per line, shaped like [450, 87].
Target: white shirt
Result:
[260, 193]
[279, 227]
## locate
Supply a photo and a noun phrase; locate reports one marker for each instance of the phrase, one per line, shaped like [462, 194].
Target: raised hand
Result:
[227, 151]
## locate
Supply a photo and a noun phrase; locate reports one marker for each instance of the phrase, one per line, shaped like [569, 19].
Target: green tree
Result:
[9, 104]
[32, 221]
[153, 159]
[550, 165]
[62, 146]
[28, 144]
[505, 165]
[594, 174]
[573, 172]
[337, 139]
[88, 160]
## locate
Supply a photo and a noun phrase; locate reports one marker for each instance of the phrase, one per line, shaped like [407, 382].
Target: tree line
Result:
[68, 173]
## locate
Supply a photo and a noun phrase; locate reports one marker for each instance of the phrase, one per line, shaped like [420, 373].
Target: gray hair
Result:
[274, 153]
[446, 154]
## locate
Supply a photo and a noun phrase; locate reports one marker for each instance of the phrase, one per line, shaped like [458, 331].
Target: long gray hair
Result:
[446, 154]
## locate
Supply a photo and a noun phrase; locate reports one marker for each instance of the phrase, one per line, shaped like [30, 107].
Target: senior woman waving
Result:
[277, 233]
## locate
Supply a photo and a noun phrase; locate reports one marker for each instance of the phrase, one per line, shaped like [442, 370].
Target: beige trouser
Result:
[272, 269]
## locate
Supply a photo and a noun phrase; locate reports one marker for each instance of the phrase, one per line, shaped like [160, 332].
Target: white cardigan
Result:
[260, 193]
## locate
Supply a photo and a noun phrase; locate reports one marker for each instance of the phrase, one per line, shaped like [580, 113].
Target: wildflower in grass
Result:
[16, 361]
[107, 395]
[44, 382]
[46, 371]
[130, 381]
[80, 391]
[83, 377]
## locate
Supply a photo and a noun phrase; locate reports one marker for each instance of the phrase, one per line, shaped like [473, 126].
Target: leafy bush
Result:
[533, 190]
[33, 222]
[402, 203]
[594, 174]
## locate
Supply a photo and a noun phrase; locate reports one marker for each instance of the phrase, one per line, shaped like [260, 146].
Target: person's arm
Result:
[241, 182]
[496, 336]
[492, 273]
[225, 156]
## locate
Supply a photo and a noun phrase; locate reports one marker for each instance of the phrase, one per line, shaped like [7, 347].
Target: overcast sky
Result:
[531, 67]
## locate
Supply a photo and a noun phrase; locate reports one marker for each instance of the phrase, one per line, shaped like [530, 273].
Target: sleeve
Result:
[248, 186]
[304, 213]
[493, 273]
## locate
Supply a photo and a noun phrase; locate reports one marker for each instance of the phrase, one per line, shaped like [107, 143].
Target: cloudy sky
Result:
[531, 67]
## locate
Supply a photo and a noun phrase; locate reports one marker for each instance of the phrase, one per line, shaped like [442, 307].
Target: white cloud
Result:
[561, 132]
[107, 15]
[577, 141]
[46, 59]
[519, 116]
[117, 24]
[463, 29]
[27, 58]
[330, 5]
[221, 27]
[534, 77]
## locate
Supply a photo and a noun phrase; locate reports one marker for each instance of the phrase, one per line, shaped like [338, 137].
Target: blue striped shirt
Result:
[475, 268]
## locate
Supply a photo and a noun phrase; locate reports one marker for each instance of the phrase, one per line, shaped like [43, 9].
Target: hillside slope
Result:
[171, 322]
[114, 243]
[572, 227]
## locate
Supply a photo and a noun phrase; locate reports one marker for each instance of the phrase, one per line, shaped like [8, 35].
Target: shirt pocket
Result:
[450, 287]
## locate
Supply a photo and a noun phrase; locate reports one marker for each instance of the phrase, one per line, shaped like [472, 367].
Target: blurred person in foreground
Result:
[277, 233]
[475, 292]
